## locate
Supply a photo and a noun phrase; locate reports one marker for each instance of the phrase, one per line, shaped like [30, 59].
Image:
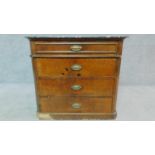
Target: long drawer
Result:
[76, 47]
[78, 86]
[57, 68]
[75, 105]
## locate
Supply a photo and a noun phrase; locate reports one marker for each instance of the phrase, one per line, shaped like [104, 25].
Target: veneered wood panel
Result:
[62, 87]
[64, 105]
[58, 68]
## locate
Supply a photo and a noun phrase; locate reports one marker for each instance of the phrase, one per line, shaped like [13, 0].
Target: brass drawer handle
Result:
[76, 106]
[76, 87]
[76, 67]
[76, 48]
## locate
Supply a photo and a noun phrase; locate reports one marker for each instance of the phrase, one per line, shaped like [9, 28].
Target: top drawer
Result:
[75, 47]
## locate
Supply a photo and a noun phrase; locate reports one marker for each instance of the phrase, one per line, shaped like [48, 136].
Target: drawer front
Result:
[55, 68]
[82, 87]
[76, 105]
[76, 48]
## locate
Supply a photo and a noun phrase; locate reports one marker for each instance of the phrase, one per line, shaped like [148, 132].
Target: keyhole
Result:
[78, 74]
[66, 69]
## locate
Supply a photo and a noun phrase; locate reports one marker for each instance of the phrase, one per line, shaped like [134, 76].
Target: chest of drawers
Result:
[76, 77]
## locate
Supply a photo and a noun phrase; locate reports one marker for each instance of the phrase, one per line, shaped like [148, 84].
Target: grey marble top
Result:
[75, 36]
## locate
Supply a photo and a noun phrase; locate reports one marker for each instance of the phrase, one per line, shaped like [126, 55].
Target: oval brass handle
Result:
[76, 105]
[76, 87]
[76, 48]
[76, 67]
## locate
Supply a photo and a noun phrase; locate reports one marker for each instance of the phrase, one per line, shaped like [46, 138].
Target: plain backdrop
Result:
[137, 64]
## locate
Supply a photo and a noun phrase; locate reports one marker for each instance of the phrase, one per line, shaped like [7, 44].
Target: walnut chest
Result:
[76, 77]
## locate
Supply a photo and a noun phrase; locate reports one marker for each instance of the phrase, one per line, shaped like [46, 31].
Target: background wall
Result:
[138, 65]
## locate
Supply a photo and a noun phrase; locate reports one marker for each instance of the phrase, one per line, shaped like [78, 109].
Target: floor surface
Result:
[135, 103]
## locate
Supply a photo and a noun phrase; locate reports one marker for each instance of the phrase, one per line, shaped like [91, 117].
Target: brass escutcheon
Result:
[76, 87]
[76, 48]
[76, 67]
[76, 105]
